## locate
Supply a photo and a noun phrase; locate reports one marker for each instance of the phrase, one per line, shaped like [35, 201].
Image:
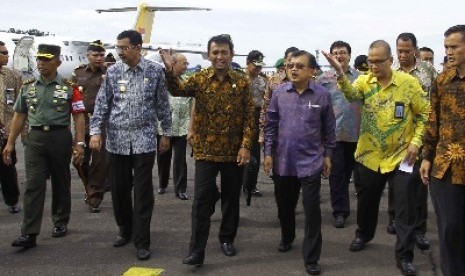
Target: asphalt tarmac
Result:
[88, 250]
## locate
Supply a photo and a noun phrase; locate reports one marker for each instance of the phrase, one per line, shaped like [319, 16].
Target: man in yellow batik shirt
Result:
[394, 112]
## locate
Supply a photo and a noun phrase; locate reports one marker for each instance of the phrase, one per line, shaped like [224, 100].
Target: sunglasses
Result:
[298, 66]
[5, 53]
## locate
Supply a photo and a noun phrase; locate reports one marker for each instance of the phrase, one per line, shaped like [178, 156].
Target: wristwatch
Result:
[82, 144]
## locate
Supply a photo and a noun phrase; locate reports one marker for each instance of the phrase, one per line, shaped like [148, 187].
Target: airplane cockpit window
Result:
[66, 43]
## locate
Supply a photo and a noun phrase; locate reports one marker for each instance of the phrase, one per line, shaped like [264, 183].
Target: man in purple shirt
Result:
[299, 136]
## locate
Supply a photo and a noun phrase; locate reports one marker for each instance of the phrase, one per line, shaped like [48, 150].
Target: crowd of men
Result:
[383, 121]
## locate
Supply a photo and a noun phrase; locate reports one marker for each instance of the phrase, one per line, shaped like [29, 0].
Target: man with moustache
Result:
[395, 110]
[443, 166]
[130, 102]
[347, 129]
[46, 104]
[223, 128]
[93, 169]
[299, 139]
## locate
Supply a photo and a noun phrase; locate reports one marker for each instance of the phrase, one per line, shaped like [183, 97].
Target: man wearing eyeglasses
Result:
[130, 102]
[347, 129]
[10, 85]
[395, 110]
[299, 139]
[92, 170]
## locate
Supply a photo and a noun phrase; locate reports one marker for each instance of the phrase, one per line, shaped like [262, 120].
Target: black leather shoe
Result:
[194, 259]
[161, 191]
[143, 254]
[59, 231]
[94, 209]
[182, 196]
[25, 241]
[228, 249]
[120, 241]
[339, 222]
[13, 209]
[357, 245]
[257, 193]
[313, 269]
[406, 268]
[284, 246]
[422, 242]
[391, 228]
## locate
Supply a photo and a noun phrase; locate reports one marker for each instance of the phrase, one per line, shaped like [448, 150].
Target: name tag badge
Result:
[123, 85]
[399, 110]
[60, 95]
[10, 96]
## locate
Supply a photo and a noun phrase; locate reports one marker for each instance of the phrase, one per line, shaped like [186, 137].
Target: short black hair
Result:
[456, 29]
[290, 50]
[311, 58]
[135, 38]
[381, 43]
[339, 44]
[221, 39]
[2, 43]
[426, 49]
[407, 37]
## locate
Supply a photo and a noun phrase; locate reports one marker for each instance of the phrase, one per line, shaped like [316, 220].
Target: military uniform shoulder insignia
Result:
[29, 81]
[68, 82]
[80, 66]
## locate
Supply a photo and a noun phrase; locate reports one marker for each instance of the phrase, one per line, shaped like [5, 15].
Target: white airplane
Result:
[23, 48]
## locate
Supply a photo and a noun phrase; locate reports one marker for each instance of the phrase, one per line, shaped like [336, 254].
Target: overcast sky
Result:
[266, 25]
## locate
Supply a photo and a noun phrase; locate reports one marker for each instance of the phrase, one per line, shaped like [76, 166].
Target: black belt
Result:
[48, 128]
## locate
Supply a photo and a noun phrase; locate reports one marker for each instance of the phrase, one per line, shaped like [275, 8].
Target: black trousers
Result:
[178, 145]
[421, 202]
[339, 178]
[370, 187]
[126, 171]
[449, 204]
[251, 170]
[203, 205]
[9, 179]
[287, 190]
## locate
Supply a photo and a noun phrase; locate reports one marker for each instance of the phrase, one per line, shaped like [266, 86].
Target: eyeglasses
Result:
[5, 53]
[376, 62]
[298, 66]
[121, 49]
[340, 53]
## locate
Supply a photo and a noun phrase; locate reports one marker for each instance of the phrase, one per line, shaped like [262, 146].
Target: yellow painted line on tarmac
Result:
[143, 271]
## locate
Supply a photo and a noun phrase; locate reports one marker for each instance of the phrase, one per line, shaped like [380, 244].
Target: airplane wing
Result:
[153, 8]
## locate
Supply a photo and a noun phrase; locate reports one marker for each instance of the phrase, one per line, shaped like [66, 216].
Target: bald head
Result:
[179, 64]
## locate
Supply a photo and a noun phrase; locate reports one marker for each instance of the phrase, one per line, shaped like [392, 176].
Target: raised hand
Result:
[333, 62]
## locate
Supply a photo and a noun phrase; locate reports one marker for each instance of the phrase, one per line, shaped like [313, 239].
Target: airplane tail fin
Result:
[144, 22]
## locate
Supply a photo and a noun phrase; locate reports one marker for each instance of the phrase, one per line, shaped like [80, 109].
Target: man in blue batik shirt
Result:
[132, 99]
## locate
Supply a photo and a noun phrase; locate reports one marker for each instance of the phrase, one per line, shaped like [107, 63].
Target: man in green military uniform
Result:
[89, 78]
[46, 104]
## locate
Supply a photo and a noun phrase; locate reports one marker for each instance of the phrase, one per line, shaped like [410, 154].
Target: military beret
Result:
[48, 51]
[279, 63]
[96, 46]
[360, 63]
[255, 57]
